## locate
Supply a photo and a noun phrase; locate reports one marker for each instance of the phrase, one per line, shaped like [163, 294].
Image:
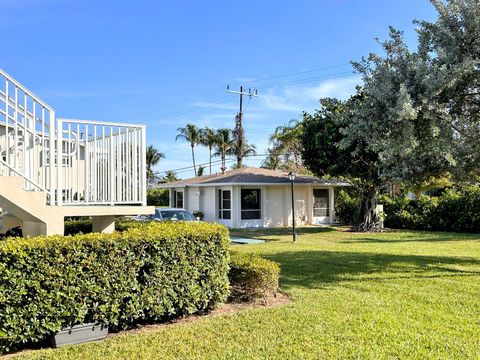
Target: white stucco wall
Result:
[208, 203]
[276, 205]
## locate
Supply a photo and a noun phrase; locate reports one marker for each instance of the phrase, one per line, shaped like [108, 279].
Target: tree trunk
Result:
[368, 211]
[193, 159]
[210, 149]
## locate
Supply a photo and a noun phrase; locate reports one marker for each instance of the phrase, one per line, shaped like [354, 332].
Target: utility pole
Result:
[238, 122]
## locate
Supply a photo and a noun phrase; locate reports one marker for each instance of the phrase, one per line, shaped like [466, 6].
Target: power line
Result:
[301, 81]
[186, 111]
[224, 99]
[265, 86]
[173, 104]
[228, 159]
[297, 73]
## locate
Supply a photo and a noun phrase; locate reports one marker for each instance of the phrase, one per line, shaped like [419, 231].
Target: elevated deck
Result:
[65, 167]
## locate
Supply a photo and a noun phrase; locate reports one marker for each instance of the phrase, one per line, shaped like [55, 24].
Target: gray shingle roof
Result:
[250, 175]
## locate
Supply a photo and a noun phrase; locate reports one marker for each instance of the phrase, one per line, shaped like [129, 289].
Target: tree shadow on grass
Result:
[271, 234]
[407, 237]
[318, 269]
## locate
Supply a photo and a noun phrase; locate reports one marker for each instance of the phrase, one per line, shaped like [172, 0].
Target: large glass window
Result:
[250, 202]
[224, 204]
[320, 203]
[178, 199]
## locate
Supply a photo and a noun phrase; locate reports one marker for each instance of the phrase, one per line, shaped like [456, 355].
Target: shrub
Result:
[84, 225]
[252, 277]
[77, 226]
[454, 210]
[347, 210]
[157, 197]
[147, 273]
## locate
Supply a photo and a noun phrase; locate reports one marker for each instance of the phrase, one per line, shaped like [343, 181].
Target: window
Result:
[178, 199]
[250, 202]
[320, 203]
[224, 204]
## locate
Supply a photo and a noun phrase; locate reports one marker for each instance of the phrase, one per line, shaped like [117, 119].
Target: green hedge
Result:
[157, 197]
[147, 273]
[455, 210]
[84, 225]
[252, 277]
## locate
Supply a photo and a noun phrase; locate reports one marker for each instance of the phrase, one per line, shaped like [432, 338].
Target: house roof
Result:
[250, 176]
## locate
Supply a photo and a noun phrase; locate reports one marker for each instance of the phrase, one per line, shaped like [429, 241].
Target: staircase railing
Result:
[26, 149]
[103, 162]
[77, 162]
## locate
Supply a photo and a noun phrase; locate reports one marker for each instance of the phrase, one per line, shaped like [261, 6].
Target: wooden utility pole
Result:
[239, 134]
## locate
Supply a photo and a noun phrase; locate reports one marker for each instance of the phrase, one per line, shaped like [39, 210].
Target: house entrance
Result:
[321, 206]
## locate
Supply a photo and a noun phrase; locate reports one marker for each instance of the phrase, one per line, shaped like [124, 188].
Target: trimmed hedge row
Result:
[147, 273]
[84, 225]
[252, 277]
[455, 210]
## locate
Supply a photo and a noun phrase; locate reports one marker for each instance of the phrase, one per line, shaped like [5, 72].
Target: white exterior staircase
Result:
[52, 167]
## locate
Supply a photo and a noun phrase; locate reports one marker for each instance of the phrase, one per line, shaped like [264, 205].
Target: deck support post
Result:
[103, 224]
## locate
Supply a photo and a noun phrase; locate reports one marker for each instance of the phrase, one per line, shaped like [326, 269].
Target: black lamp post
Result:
[291, 175]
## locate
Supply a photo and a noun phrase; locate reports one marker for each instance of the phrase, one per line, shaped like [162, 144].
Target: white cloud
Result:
[296, 98]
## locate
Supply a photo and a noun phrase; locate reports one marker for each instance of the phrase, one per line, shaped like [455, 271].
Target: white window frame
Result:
[175, 199]
[221, 209]
[328, 208]
[260, 201]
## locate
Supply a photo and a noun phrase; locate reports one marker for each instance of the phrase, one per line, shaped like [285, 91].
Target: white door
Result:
[225, 207]
[321, 206]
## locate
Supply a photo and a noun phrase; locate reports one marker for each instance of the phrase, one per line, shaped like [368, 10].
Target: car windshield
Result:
[177, 215]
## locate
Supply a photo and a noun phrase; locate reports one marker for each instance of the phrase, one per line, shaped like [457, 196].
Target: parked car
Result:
[168, 214]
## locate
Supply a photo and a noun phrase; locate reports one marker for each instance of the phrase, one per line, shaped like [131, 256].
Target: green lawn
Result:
[391, 295]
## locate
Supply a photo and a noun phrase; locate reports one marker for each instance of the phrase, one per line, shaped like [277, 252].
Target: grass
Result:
[392, 295]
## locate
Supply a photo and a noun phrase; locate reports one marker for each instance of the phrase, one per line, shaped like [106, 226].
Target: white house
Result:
[51, 167]
[255, 197]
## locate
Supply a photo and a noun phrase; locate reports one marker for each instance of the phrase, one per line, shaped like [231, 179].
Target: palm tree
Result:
[272, 161]
[201, 170]
[193, 135]
[169, 176]
[209, 139]
[224, 145]
[247, 150]
[153, 157]
[286, 140]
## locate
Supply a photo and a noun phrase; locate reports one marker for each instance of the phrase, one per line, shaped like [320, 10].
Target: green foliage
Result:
[193, 135]
[346, 207]
[157, 197]
[147, 273]
[153, 157]
[328, 149]
[252, 277]
[77, 226]
[455, 210]
[84, 225]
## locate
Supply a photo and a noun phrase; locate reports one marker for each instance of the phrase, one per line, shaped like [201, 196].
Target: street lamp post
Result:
[291, 175]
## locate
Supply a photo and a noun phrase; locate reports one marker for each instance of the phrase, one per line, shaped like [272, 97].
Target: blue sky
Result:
[167, 63]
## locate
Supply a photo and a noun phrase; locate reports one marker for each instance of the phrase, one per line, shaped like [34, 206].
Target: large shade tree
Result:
[451, 45]
[193, 135]
[325, 152]
[391, 131]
